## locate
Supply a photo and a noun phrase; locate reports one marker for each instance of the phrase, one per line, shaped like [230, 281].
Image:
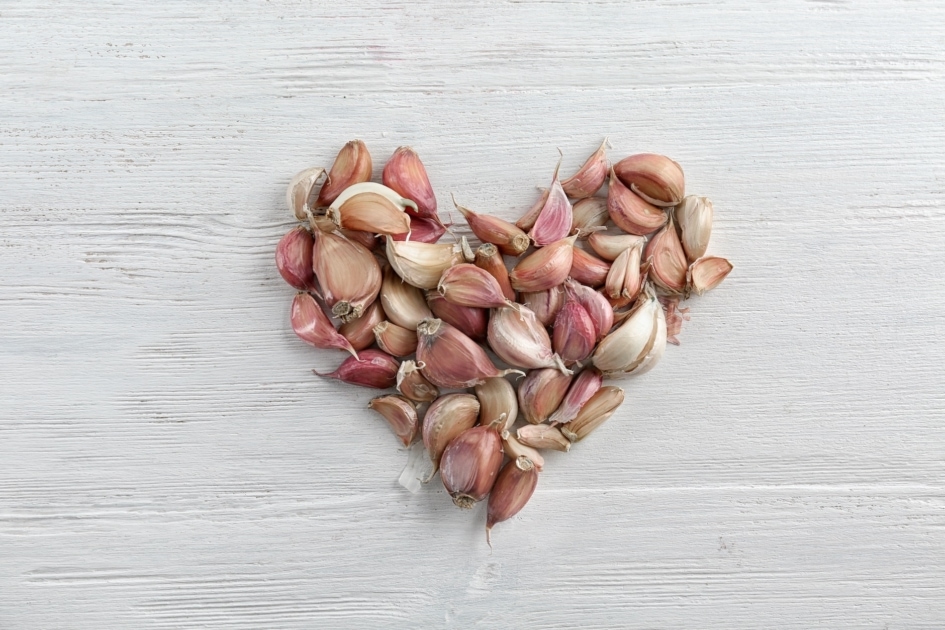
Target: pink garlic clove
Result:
[596, 305]
[294, 259]
[513, 488]
[313, 327]
[588, 269]
[590, 177]
[584, 386]
[470, 465]
[544, 268]
[632, 213]
[450, 359]
[554, 220]
[374, 369]
[574, 335]
[468, 285]
[668, 264]
[352, 166]
[656, 178]
[405, 173]
[541, 392]
[470, 321]
[489, 259]
[510, 240]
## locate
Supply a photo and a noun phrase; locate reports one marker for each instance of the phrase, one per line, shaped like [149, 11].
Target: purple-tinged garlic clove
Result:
[373, 369]
[401, 415]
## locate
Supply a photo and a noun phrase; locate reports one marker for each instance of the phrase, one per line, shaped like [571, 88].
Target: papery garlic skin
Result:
[554, 220]
[422, 264]
[594, 413]
[294, 259]
[405, 174]
[347, 273]
[513, 488]
[622, 352]
[630, 212]
[544, 268]
[545, 304]
[412, 384]
[544, 436]
[514, 450]
[472, 322]
[498, 403]
[489, 259]
[594, 303]
[541, 392]
[668, 264]
[468, 285]
[300, 195]
[694, 218]
[656, 178]
[584, 386]
[447, 418]
[352, 166]
[574, 335]
[610, 246]
[450, 359]
[510, 240]
[313, 327]
[519, 339]
[404, 303]
[588, 269]
[590, 177]
[360, 330]
[707, 273]
[470, 465]
[395, 340]
[401, 415]
[373, 368]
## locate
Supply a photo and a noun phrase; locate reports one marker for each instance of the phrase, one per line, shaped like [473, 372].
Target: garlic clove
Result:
[544, 268]
[694, 218]
[630, 212]
[347, 273]
[470, 321]
[403, 303]
[313, 327]
[450, 359]
[367, 239]
[590, 177]
[588, 269]
[395, 340]
[541, 392]
[510, 240]
[574, 335]
[554, 219]
[584, 386]
[373, 369]
[519, 339]
[514, 450]
[294, 259]
[412, 384]
[371, 212]
[668, 264]
[300, 195]
[422, 231]
[707, 273]
[470, 465]
[513, 488]
[622, 352]
[656, 178]
[656, 349]
[588, 214]
[544, 436]
[360, 330]
[405, 173]
[610, 246]
[374, 188]
[352, 166]
[489, 259]
[545, 304]
[498, 403]
[596, 305]
[624, 279]
[468, 285]
[447, 418]
[594, 413]
[527, 222]
[422, 264]
[401, 415]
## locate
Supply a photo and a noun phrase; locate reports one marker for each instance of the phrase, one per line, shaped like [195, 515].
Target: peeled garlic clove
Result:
[668, 264]
[545, 304]
[468, 285]
[596, 305]
[630, 212]
[694, 218]
[656, 178]
[519, 339]
[470, 321]
[405, 173]
[590, 177]
[395, 340]
[450, 359]
[447, 418]
[412, 384]
[470, 465]
[515, 450]
[594, 413]
[352, 166]
[422, 231]
[422, 264]
[624, 280]
[403, 303]
[574, 335]
[588, 269]
[371, 212]
[541, 392]
[623, 351]
[313, 326]
[527, 222]
[300, 195]
[498, 403]
[360, 331]
[544, 436]
[510, 240]
[373, 369]
[401, 415]
[294, 258]
[707, 273]
[554, 219]
[544, 268]
[584, 386]
[347, 273]
[489, 259]
[588, 214]
[610, 246]
[513, 488]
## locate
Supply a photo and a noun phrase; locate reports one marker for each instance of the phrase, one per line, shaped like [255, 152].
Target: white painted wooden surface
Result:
[168, 461]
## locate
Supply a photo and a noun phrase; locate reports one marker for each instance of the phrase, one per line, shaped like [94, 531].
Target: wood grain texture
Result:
[168, 461]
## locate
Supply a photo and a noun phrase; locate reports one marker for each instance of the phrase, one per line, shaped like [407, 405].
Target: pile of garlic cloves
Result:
[524, 329]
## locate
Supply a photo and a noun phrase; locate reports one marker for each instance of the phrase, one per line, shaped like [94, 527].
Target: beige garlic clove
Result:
[352, 166]
[395, 340]
[588, 269]
[405, 174]
[694, 218]
[588, 215]
[360, 330]
[470, 465]
[372, 368]
[574, 334]
[294, 259]
[656, 178]
[403, 303]
[596, 305]
[544, 436]
[347, 273]
[468, 285]
[610, 246]
[371, 212]
[513, 488]
[450, 359]
[668, 264]
[527, 222]
[422, 264]
[584, 386]
[510, 240]
[554, 219]
[624, 279]
[514, 449]
[489, 259]
[470, 321]
[519, 339]
[541, 392]
[630, 212]
[545, 304]
[624, 350]
[544, 268]
[313, 327]
[707, 273]
[401, 415]
[590, 177]
[300, 196]
[447, 418]
[499, 404]
[412, 384]
[594, 413]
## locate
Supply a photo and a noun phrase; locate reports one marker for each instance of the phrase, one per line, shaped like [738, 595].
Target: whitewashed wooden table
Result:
[168, 460]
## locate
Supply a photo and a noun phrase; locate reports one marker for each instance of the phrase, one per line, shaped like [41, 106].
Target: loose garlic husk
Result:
[450, 359]
[489, 259]
[468, 285]
[403, 303]
[594, 413]
[352, 166]
[300, 196]
[446, 419]
[470, 465]
[632, 213]
[590, 177]
[588, 214]
[544, 436]
[588, 269]
[510, 240]
[401, 415]
[395, 340]
[541, 392]
[584, 386]
[498, 403]
[656, 178]
[707, 273]
[667, 260]
[694, 218]
[360, 331]
[372, 368]
[545, 268]
[596, 305]
[422, 264]
[610, 246]
[405, 174]
[412, 384]
[554, 220]
[624, 279]
[513, 488]
[313, 326]
[514, 449]
[636, 342]
[519, 339]
[347, 273]
[294, 259]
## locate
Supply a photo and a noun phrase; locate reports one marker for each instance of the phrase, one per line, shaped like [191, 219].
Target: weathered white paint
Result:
[167, 459]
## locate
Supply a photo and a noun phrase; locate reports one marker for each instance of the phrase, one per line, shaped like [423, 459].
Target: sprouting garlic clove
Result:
[694, 218]
[468, 285]
[590, 177]
[545, 304]
[412, 384]
[510, 240]
[624, 279]
[625, 349]
[514, 449]
[403, 303]
[352, 166]
[470, 321]
[596, 305]
[513, 488]
[422, 264]
[405, 173]
[584, 386]
[544, 268]
[395, 340]
[574, 334]
[294, 258]
[447, 418]
[707, 273]
[541, 392]
[588, 214]
[489, 259]
[401, 415]
[630, 212]
[313, 327]
[373, 368]
[300, 196]
[554, 220]
[527, 222]
[610, 246]
[422, 231]
[544, 436]
[470, 465]
[519, 339]
[499, 404]
[450, 359]
[371, 212]
[360, 330]
[588, 269]
[668, 264]
[347, 273]
[656, 178]
[594, 413]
